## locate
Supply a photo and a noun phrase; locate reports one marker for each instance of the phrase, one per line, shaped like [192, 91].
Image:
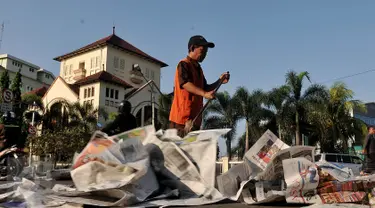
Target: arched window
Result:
[138, 117]
[144, 116]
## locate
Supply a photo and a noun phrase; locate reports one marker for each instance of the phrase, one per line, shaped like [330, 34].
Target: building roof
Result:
[46, 71]
[103, 76]
[115, 41]
[39, 91]
[74, 88]
[8, 56]
[18, 59]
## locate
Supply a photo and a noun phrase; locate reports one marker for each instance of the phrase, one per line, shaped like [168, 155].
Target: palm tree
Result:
[334, 120]
[239, 149]
[223, 112]
[56, 116]
[296, 101]
[275, 100]
[165, 103]
[63, 114]
[83, 115]
[251, 109]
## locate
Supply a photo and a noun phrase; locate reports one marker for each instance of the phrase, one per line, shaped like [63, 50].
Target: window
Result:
[112, 91]
[106, 92]
[147, 73]
[16, 63]
[92, 63]
[89, 92]
[31, 69]
[107, 102]
[122, 64]
[85, 94]
[97, 61]
[46, 76]
[115, 62]
[116, 94]
[81, 65]
[152, 75]
[92, 91]
[331, 158]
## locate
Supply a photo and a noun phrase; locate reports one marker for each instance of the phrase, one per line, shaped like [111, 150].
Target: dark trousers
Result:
[181, 129]
[370, 163]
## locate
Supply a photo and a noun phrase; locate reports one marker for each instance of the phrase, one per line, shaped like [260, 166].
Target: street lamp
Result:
[34, 106]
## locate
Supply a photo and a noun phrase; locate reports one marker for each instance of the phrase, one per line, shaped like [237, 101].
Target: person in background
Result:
[369, 151]
[124, 121]
[190, 87]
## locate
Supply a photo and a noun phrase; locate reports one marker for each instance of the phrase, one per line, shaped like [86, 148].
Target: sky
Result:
[258, 42]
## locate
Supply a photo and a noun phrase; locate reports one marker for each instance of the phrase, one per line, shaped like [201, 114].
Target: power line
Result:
[348, 76]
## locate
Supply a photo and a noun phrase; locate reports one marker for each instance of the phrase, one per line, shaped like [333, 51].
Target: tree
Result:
[165, 103]
[239, 149]
[296, 100]
[112, 116]
[223, 112]
[56, 116]
[61, 143]
[30, 98]
[333, 121]
[84, 116]
[16, 89]
[275, 100]
[251, 109]
[4, 80]
[16, 86]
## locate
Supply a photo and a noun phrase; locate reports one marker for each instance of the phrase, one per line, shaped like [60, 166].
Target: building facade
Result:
[33, 77]
[102, 73]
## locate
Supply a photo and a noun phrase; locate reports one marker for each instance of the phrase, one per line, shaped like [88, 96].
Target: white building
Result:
[33, 77]
[102, 73]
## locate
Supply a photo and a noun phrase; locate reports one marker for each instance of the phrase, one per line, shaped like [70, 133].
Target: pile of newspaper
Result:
[274, 172]
[140, 167]
[145, 168]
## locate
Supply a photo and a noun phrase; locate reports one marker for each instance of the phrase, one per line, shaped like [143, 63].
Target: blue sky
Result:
[257, 41]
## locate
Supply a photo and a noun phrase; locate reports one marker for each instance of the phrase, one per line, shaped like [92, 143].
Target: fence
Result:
[224, 165]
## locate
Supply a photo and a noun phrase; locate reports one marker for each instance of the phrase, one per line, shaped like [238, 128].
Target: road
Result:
[50, 184]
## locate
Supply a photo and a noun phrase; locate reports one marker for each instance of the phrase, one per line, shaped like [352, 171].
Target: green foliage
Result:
[62, 143]
[332, 121]
[165, 103]
[112, 116]
[29, 99]
[64, 114]
[4, 80]
[16, 86]
[297, 101]
[223, 112]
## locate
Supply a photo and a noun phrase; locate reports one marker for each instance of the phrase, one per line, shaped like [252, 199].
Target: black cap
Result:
[199, 40]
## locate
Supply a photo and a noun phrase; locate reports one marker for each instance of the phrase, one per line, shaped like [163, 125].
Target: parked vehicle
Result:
[353, 162]
[12, 161]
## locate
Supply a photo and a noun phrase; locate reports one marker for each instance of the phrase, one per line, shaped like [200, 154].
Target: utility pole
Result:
[1, 33]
